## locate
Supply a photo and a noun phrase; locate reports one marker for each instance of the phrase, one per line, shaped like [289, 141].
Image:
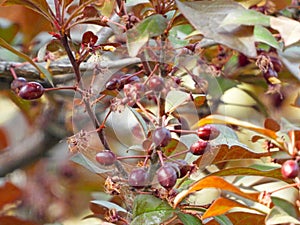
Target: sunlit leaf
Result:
[220, 119]
[8, 30]
[286, 206]
[148, 209]
[263, 35]
[41, 69]
[212, 182]
[207, 16]
[243, 218]
[289, 29]
[9, 193]
[246, 17]
[150, 27]
[244, 171]
[221, 206]
[248, 3]
[279, 216]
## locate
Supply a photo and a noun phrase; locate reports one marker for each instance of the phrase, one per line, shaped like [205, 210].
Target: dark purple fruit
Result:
[129, 78]
[113, 84]
[138, 178]
[156, 83]
[198, 148]
[106, 158]
[16, 84]
[290, 169]
[277, 64]
[208, 132]
[166, 176]
[31, 91]
[184, 167]
[270, 74]
[161, 137]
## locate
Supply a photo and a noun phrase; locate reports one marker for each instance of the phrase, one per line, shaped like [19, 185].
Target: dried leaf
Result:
[242, 218]
[221, 206]
[272, 124]
[212, 182]
[3, 139]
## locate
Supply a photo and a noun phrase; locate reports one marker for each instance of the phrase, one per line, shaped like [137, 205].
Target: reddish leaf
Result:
[11, 220]
[3, 139]
[271, 125]
[89, 38]
[213, 182]
[221, 206]
[9, 193]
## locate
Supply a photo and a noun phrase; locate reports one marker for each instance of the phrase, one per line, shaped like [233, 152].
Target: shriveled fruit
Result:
[156, 83]
[106, 158]
[290, 169]
[17, 83]
[198, 148]
[138, 178]
[31, 91]
[208, 132]
[166, 176]
[161, 136]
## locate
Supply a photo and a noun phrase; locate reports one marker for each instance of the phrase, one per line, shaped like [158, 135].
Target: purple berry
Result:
[106, 158]
[31, 91]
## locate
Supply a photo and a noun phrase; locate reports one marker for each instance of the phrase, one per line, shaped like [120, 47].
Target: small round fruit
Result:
[161, 136]
[198, 148]
[166, 176]
[31, 91]
[208, 132]
[129, 78]
[138, 178]
[156, 83]
[184, 167]
[106, 158]
[113, 84]
[290, 169]
[17, 83]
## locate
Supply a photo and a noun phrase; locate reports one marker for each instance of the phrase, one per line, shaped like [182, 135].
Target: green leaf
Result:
[279, 216]
[41, 69]
[263, 35]
[223, 220]
[8, 30]
[88, 164]
[207, 16]
[135, 2]
[291, 59]
[188, 219]
[150, 210]
[246, 17]
[285, 205]
[138, 36]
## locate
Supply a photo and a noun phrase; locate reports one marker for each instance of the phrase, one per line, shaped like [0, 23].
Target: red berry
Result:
[161, 136]
[208, 132]
[166, 176]
[290, 169]
[138, 178]
[16, 84]
[156, 83]
[106, 158]
[31, 91]
[198, 148]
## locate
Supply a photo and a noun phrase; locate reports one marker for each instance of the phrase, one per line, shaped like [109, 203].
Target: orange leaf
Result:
[220, 119]
[213, 182]
[11, 220]
[9, 193]
[221, 206]
[3, 139]
[242, 218]
[272, 124]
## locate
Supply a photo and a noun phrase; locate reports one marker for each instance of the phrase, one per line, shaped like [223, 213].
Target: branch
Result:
[60, 69]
